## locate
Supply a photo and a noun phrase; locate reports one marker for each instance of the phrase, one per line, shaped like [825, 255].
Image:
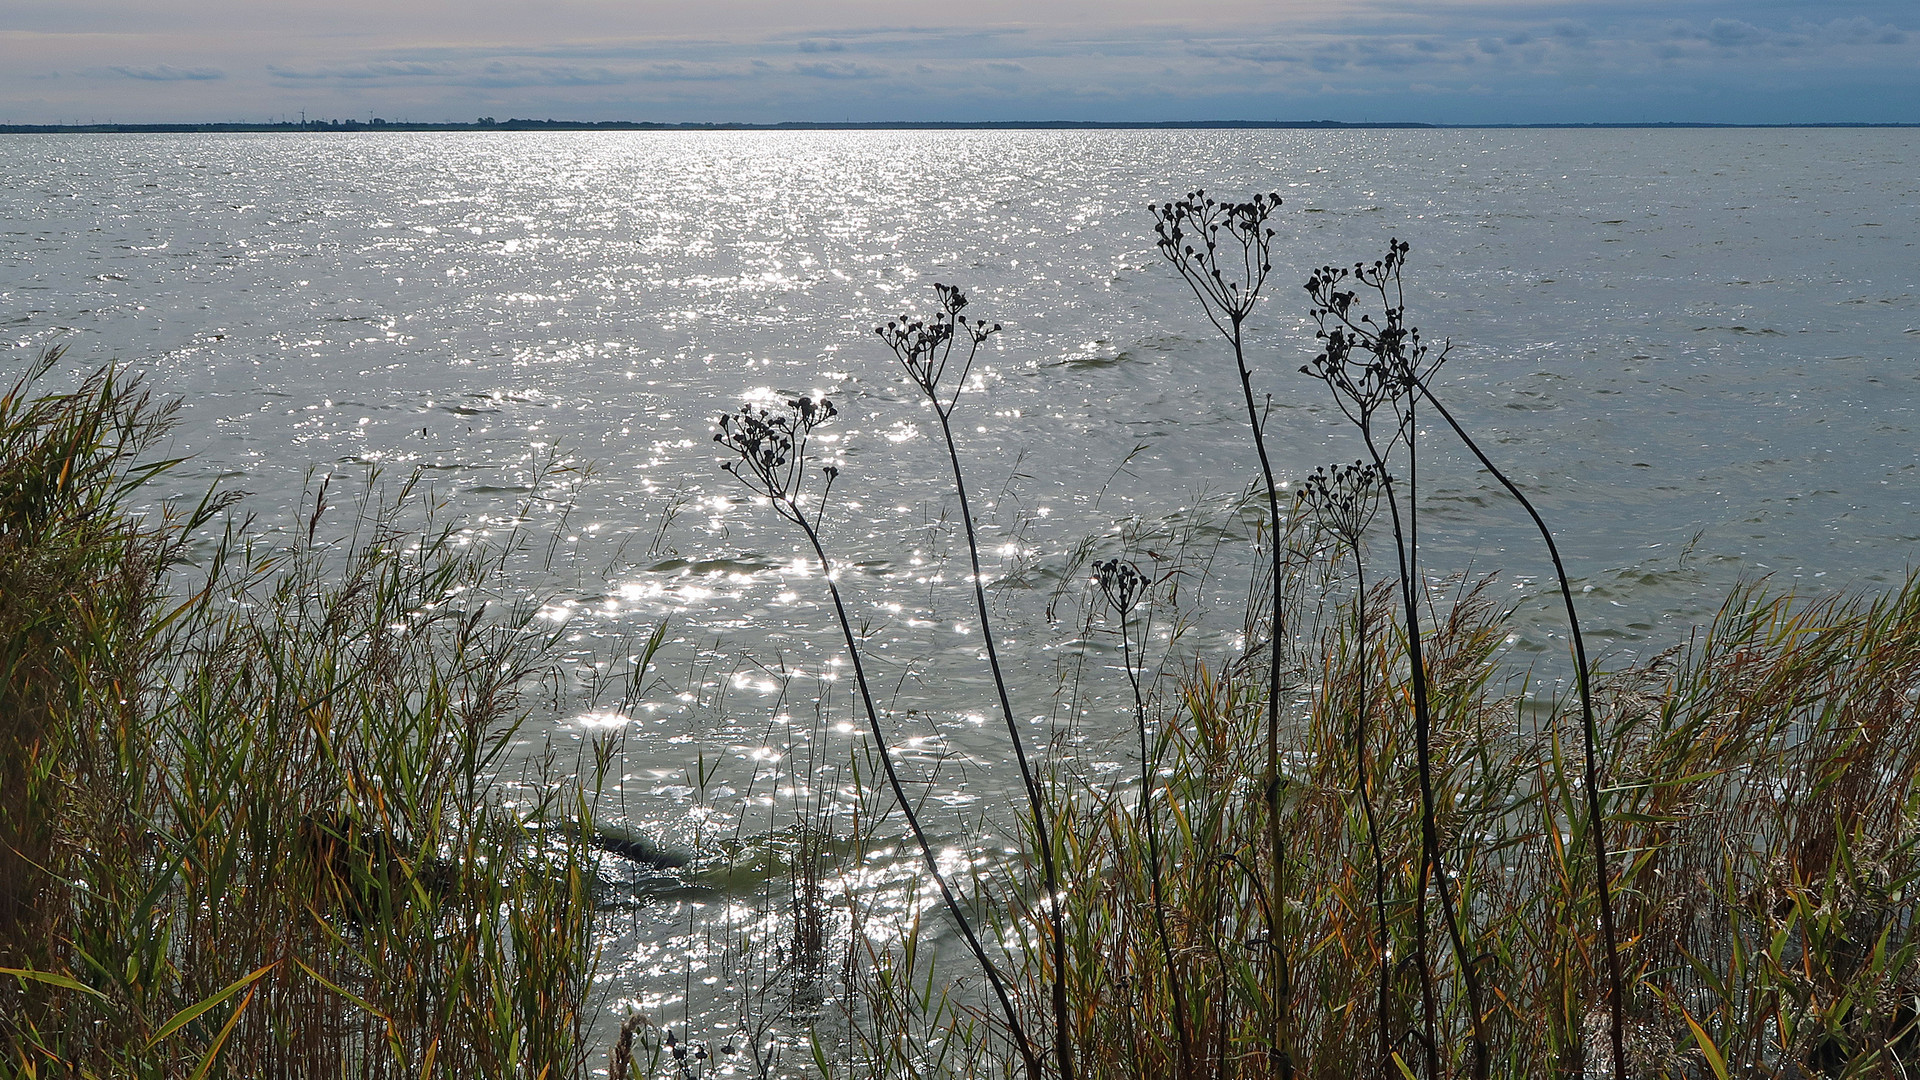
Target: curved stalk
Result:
[1147, 761]
[1430, 869]
[1589, 729]
[1063, 1030]
[1015, 1028]
[926, 349]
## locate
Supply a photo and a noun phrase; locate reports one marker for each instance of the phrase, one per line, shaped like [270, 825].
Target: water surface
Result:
[1696, 348]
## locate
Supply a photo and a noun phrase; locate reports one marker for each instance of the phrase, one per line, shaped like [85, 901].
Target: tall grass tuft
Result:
[1766, 781]
[260, 827]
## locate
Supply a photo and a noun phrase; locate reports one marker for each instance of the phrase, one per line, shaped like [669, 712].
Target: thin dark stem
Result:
[1369, 365]
[1595, 815]
[1363, 789]
[1431, 870]
[1063, 1030]
[1147, 764]
[1428, 1007]
[1276, 836]
[1015, 1028]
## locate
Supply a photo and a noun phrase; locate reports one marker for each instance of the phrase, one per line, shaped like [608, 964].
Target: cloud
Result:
[500, 74]
[167, 73]
[1521, 60]
[1574, 33]
[1264, 53]
[1728, 33]
[839, 70]
[381, 69]
[689, 72]
[1858, 30]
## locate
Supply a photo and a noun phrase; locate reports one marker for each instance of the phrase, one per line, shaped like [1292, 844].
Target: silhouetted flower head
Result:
[1121, 584]
[1368, 362]
[1344, 498]
[1222, 249]
[770, 444]
[925, 345]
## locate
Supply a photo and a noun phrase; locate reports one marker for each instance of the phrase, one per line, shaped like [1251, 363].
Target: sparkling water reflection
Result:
[1697, 348]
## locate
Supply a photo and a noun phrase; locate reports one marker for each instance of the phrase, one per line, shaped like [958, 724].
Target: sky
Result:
[766, 61]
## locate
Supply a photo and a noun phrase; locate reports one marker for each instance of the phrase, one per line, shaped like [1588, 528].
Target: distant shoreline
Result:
[314, 126]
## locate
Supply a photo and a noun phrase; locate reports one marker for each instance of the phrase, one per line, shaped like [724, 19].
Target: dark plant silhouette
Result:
[770, 448]
[1392, 336]
[1222, 250]
[1123, 587]
[1373, 370]
[926, 348]
[1344, 500]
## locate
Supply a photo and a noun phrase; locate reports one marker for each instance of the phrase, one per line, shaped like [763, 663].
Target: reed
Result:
[261, 828]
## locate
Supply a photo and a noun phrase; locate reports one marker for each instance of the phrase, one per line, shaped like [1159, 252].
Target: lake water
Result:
[1697, 348]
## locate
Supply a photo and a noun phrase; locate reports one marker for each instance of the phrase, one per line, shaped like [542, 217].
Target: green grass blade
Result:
[185, 1016]
[1712, 1053]
[349, 995]
[51, 979]
[220, 1040]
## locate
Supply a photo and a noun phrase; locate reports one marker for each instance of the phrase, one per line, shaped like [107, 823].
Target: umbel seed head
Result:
[1121, 584]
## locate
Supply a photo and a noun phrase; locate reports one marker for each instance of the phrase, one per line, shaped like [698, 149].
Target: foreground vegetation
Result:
[1351, 849]
[248, 822]
[253, 817]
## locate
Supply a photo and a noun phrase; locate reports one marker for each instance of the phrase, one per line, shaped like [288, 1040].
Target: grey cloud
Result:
[1264, 53]
[1572, 32]
[954, 42]
[665, 50]
[492, 74]
[1332, 57]
[1858, 30]
[168, 73]
[1392, 55]
[1004, 65]
[379, 69]
[692, 72]
[1729, 33]
[838, 70]
[500, 74]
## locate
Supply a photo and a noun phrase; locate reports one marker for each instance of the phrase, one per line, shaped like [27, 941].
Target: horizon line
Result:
[519, 124]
